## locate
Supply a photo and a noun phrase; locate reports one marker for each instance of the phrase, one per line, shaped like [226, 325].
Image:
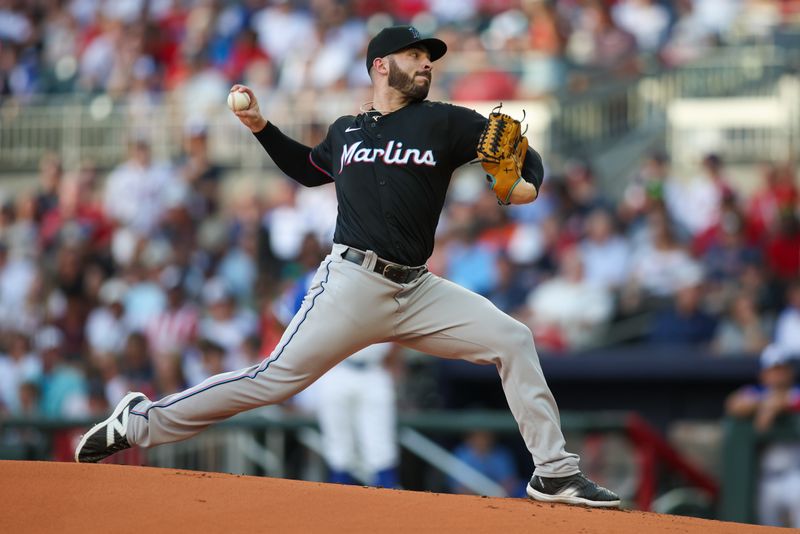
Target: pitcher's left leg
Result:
[441, 318]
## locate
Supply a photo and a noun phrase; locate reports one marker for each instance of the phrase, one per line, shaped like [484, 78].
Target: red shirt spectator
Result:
[245, 51]
[783, 250]
[779, 195]
[75, 210]
[489, 84]
[407, 9]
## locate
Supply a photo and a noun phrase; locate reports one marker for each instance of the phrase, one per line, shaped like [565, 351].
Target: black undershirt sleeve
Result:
[533, 168]
[293, 158]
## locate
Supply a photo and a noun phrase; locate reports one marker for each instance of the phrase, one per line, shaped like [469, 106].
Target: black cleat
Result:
[575, 489]
[110, 436]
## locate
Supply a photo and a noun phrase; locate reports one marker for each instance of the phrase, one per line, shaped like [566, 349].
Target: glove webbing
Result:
[495, 133]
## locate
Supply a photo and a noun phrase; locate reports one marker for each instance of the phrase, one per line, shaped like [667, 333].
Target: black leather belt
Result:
[399, 274]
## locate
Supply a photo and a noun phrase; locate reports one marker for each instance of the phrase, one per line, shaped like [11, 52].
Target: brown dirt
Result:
[71, 498]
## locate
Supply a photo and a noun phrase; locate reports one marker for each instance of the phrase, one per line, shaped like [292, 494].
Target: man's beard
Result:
[405, 84]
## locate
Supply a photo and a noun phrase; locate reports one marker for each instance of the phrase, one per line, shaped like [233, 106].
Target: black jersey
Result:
[392, 173]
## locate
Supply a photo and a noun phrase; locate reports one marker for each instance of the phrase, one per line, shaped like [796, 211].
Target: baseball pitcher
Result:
[391, 165]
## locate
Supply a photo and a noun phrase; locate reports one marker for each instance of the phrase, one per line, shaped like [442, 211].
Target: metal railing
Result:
[741, 129]
[567, 124]
[259, 442]
[100, 130]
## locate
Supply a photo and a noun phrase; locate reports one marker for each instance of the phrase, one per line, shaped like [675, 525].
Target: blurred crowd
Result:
[677, 261]
[499, 49]
[150, 277]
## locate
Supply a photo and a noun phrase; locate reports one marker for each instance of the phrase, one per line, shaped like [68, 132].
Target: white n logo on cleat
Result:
[120, 426]
[572, 491]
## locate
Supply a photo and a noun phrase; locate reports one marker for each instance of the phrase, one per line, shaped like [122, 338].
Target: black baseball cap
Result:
[395, 38]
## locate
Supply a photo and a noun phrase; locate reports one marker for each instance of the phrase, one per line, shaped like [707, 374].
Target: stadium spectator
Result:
[284, 222]
[726, 253]
[580, 195]
[249, 353]
[238, 268]
[244, 52]
[454, 12]
[50, 173]
[470, 261]
[660, 265]
[21, 235]
[567, 311]
[70, 307]
[482, 80]
[76, 215]
[207, 359]
[171, 331]
[695, 203]
[145, 298]
[18, 71]
[689, 37]
[198, 171]
[647, 189]
[787, 328]
[685, 322]
[100, 56]
[225, 323]
[203, 86]
[727, 237]
[17, 366]
[31, 313]
[17, 275]
[779, 470]
[605, 253]
[759, 18]
[777, 195]
[135, 364]
[134, 195]
[782, 249]
[543, 67]
[281, 29]
[647, 20]
[63, 387]
[480, 451]
[106, 330]
[511, 286]
[742, 329]
[597, 41]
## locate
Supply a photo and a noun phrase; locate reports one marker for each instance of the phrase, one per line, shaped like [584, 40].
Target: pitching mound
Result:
[72, 498]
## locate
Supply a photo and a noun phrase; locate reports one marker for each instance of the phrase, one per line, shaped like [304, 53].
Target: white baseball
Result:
[238, 101]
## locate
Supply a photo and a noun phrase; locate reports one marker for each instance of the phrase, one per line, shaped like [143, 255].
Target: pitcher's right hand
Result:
[250, 117]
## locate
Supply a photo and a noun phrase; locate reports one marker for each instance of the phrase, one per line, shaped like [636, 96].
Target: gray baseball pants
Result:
[349, 307]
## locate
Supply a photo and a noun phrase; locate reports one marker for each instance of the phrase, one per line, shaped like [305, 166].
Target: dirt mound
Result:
[72, 498]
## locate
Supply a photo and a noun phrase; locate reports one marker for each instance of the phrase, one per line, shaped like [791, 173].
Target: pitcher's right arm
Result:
[293, 158]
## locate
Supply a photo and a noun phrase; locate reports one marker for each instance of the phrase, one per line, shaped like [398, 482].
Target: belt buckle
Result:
[395, 273]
